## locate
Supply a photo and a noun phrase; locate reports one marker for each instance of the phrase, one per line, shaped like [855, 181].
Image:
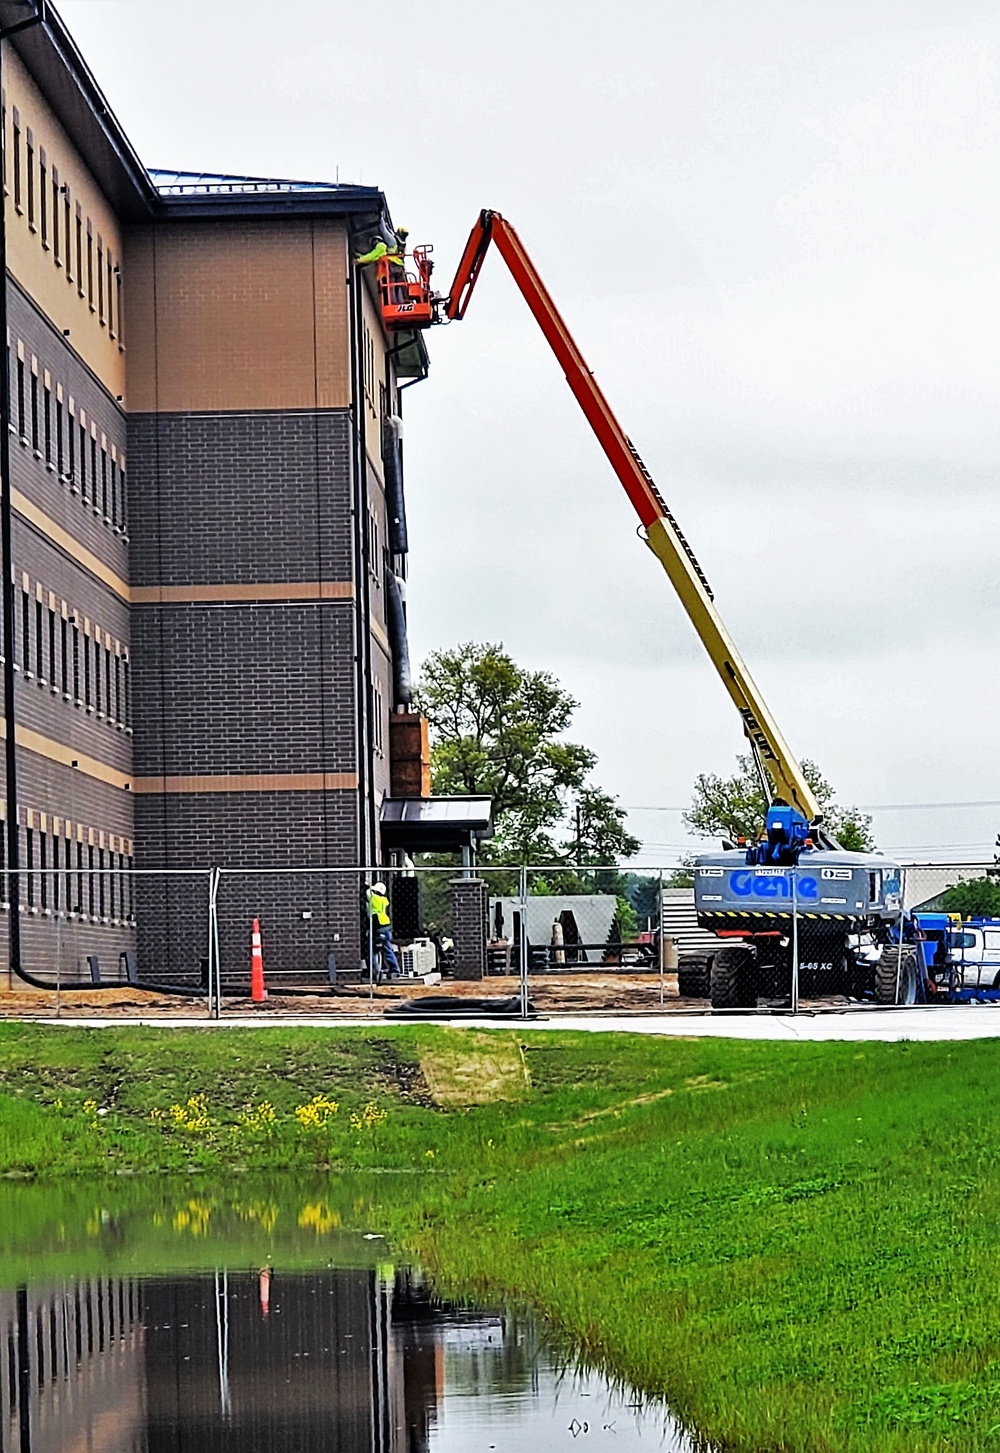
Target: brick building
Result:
[204, 660]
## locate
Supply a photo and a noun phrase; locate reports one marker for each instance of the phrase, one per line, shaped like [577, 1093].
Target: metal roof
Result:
[189, 184]
[435, 824]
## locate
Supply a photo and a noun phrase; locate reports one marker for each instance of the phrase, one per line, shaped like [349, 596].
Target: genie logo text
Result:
[748, 884]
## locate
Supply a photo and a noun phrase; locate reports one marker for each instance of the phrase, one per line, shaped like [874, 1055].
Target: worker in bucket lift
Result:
[378, 910]
[395, 255]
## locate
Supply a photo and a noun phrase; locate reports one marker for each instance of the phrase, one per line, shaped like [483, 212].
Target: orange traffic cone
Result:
[258, 993]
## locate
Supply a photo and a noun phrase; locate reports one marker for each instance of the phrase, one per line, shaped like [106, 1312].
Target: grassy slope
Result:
[797, 1244]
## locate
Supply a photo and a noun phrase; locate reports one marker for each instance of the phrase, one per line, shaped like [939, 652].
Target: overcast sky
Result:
[773, 228]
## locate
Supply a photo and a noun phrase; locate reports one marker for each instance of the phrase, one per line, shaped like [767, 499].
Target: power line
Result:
[861, 806]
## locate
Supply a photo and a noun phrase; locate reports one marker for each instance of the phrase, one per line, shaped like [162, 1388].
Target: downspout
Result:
[366, 795]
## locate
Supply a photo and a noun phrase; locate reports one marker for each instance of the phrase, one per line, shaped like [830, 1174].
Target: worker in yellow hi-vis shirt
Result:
[378, 909]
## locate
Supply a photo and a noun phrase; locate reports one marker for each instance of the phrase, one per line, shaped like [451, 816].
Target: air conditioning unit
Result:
[418, 958]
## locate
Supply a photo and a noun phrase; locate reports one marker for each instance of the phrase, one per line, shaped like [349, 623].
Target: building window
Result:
[122, 509]
[91, 899]
[111, 298]
[55, 218]
[53, 658]
[79, 249]
[105, 497]
[29, 152]
[29, 863]
[86, 670]
[127, 691]
[114, 492]
[71, 448]
[47, 419]
[17, 158]
[119, 722]
[35, 437]
[93, 470]
[43, 197]
[97, 673]
[378, 710]
[67, 230]
[60, 456]
[107, 682]
[21, 420]
[76, 662]
[64, 653]
[100, 279]
[90, 265]
[39, 644]
[56, 880]
[78, 897]
[102, 905]
[83, 456]
[43, 864]
[374, 569]
[118, 307]
[25, 633]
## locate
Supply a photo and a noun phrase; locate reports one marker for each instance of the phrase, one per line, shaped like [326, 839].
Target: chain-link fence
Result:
[98, 940]
[497, 942]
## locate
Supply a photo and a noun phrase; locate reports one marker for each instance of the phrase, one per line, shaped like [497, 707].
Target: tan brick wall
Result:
[237, 316]
[68, 301]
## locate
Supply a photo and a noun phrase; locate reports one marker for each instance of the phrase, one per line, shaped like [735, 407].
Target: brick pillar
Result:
[469, 915]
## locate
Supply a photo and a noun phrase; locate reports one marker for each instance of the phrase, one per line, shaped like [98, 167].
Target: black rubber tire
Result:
[897, 977]
[694, 976]
[732, 977]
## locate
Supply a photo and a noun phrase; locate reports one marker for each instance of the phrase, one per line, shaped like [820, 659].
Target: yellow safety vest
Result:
[378, 907]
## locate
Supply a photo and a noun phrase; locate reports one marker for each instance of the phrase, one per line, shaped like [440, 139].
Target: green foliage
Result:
[497, 729]
[735, 807]
[625, 924]
[977, 898]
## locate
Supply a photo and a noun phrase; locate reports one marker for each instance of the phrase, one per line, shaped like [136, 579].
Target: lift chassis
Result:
[796, 876]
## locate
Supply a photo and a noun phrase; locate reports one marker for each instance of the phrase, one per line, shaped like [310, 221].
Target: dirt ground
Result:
[611, 993]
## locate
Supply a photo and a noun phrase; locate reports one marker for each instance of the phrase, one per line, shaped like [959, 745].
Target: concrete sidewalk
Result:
[945, 1022]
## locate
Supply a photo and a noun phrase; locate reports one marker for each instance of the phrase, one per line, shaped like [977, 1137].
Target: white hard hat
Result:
[378, 887]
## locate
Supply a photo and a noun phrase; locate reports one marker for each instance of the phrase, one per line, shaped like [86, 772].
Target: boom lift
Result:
[749, 896]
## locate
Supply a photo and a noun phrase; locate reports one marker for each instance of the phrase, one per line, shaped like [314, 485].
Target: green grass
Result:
[799, 1245]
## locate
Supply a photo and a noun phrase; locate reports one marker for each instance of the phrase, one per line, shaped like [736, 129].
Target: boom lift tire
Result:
[694, 976]
[732, 976]
[897, 976]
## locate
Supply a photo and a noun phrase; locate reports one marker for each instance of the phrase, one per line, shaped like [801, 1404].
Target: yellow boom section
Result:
[663, 534]
[664, 540]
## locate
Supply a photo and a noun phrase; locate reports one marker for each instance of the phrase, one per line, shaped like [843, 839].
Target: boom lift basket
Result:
[405, 298]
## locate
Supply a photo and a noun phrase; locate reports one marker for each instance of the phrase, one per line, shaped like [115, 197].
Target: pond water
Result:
[255, 1350]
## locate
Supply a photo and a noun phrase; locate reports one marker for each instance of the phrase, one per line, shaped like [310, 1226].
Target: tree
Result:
[497, 730]
[735, 807]
[976, 898]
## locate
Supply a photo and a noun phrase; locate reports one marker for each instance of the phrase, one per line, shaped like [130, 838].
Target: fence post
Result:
[214, 963]
[523, 945]
[663, 939]
[795, 942]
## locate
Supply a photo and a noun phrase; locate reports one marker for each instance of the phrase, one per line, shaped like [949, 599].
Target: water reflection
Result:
[343, 1360]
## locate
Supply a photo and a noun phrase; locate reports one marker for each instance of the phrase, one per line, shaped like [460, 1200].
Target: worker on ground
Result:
[378, 910]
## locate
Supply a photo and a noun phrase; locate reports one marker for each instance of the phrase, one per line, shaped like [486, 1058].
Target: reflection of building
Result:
[74, 1375]
[338, 1361]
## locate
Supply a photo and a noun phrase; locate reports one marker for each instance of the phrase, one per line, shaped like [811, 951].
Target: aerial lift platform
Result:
[793, 893]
